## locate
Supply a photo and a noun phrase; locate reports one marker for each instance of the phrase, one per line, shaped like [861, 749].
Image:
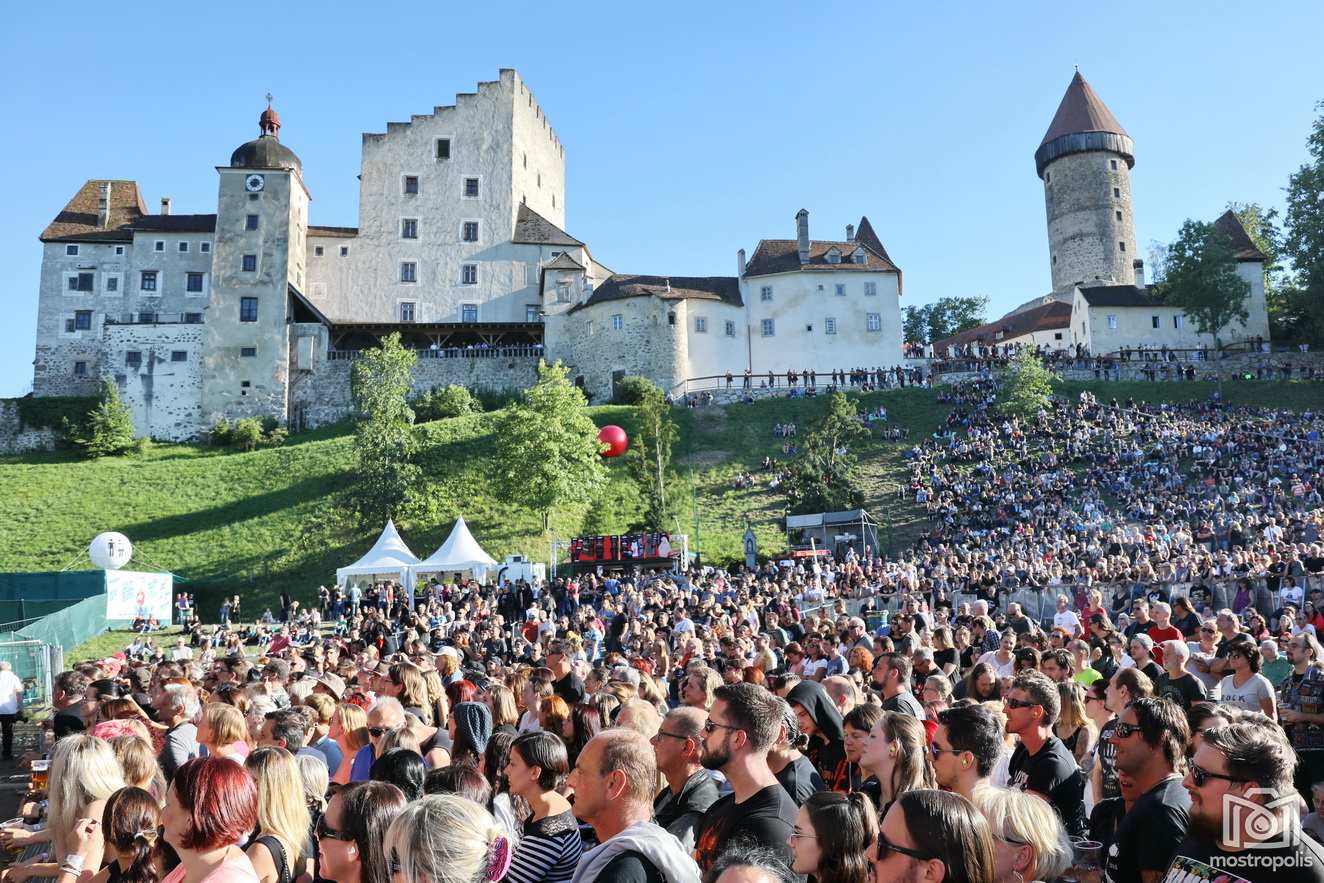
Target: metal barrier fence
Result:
[36, 664]
[466, 352]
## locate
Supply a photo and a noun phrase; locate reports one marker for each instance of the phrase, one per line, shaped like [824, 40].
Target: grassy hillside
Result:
[257, 523]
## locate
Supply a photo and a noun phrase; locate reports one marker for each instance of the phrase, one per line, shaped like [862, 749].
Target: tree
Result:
[915, 324]
[1026, 386]
[822, 478]
[1303, 233]
[246, 434]
[943, 318]
[1200, 277]
[384, 444]
[109, 426]
[650, 456]
[547, 450]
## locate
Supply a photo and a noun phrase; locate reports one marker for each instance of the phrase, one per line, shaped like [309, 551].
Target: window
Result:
[193, 282]
[407, 311]
[470, 188]
[469, 274]
[563, 292]
[1154, 321]
[1048, 177]
[1057, 335]
[1119, 214]
[247, 309]
[148, 280]
[247, 352]
[443, 148]
[133, 358]
[408, 271]
[83, 320]
[871, 289]
[833, 256]
[204, 247]
[730, 328]
[80, 369]
[840, 289]
[411, 185]
[1117, 193]
[160, 245]
[193, 318]
[617, 321]
[873, 321]
[765, 293]
[768, 328]
[250, 263]
[250, 222]
[532, 313]
[245, 384]
[409, 228]
[179, 355]
[1121, 246]
[112, 283]
[80, 282]
[183, 248]
[119, 249]
[1113, 164]
[344, 251]
[1054, 260]
[1178, 322]
[71, 251]
[468, 312]
[700, 325]
[318, 251]
[469, 232]
[858, 257]
[1112, 322]
[829, 325]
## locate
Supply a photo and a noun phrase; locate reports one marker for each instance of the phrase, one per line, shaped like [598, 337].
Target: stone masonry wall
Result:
[163, 390]
[16, 438]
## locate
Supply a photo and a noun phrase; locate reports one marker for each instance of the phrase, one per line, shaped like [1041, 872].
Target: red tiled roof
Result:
[1081, 110]
[78, 221]
[1243, 247]
[1047, 317]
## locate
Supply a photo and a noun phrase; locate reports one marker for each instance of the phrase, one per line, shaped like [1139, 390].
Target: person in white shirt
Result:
[1065, 618]
[11, 705]
[181, 652]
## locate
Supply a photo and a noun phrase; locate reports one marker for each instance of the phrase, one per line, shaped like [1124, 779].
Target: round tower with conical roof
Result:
[1085, 162]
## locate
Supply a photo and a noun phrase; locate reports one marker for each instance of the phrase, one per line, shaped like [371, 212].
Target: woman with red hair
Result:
[211, 805]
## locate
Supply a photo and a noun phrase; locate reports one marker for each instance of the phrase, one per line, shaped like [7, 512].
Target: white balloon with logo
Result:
[110, 550]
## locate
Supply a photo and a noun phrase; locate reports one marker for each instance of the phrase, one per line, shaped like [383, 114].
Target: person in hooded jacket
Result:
[820, 720]
[792, 769]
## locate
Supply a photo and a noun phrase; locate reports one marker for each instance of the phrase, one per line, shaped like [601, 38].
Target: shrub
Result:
[109, 427]
[54, 412]
[221, 434]
[247, 434]
[439, 403]
[269, 424]
[496, 399]
[276, 437]
[632, 390]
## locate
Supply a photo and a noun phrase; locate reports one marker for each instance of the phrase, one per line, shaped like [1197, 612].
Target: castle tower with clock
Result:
[258, 257]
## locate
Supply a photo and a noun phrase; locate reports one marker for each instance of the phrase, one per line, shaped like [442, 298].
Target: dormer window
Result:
[833, 256]
[858, 256]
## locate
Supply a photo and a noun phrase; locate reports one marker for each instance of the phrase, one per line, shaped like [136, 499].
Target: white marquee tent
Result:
[459, 554]
[389, 556]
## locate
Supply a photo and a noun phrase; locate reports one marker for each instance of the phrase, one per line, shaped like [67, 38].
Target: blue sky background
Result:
[691, 129]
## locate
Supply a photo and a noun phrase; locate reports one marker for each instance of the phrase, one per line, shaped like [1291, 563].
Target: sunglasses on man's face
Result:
[1200, 776]
[326, 832]
[887, 847]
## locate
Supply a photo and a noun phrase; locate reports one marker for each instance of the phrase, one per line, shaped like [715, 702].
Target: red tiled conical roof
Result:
[1081, 110]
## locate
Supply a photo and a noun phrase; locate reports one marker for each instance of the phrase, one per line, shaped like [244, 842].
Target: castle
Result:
[1099, 302]
[460, 247]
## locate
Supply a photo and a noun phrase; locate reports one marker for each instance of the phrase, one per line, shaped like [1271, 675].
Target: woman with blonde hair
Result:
[897, 754]
[436, 697]
[280, 850]
[223, 731]
[138, 764]
[83, 775]
[408, 685]
[505, 713]
[1074, 726]
[349, 729]
[1029, 841]
[444, 838]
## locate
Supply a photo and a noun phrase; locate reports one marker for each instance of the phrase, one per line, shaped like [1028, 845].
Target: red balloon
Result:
[615, 438]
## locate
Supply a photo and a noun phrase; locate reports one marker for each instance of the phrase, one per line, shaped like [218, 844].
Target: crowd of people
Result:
[1099, 662]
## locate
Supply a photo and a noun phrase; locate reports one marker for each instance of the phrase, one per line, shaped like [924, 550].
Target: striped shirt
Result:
[548, 851]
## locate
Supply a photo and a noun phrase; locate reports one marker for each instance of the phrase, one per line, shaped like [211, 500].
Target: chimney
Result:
[103, 206]
[802, 234]
[850, 232]
[1139, 267]
[740, 263]
[165, 205]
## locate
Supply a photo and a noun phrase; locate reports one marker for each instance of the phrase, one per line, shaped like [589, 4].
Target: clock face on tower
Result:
[254, 183]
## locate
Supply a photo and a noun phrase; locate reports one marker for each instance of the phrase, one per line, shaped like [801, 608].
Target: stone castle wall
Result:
[1084, 227]
[15, 438]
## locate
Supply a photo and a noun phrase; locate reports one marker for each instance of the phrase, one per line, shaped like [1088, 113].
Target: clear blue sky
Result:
[691, 129]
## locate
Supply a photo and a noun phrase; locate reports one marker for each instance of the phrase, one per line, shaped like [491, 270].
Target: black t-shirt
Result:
[1185, 691]
[570, 688]
[800, 780]
[764, 819]
[1198, 860]
[904, 703]
[1146, 837]
[942, 657]
[67, 722]
[1052, 772]
[630, 867]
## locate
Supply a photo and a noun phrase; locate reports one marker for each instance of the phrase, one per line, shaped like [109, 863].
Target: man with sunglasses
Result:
[1041, 763]
[934, 837]
[691, 788]
[1244, 823]
[743, 724]
[1150, 740]
[965, 748]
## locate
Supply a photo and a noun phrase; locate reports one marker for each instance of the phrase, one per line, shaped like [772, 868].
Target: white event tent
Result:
[459, 554]
[389, 556]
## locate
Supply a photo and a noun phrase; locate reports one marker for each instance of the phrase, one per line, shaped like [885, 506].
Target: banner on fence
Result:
[132, 594]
